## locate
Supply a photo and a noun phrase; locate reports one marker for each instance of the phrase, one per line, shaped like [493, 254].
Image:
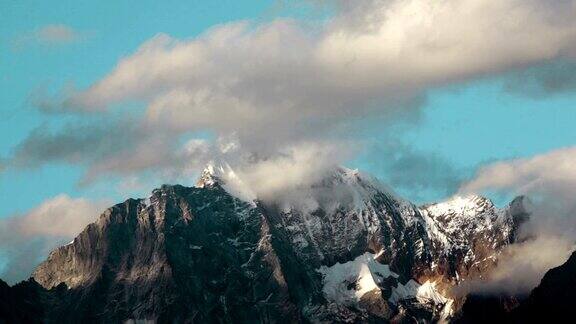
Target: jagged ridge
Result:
[215, 253]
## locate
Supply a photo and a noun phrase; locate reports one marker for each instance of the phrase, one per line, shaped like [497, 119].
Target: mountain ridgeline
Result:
[341, 250]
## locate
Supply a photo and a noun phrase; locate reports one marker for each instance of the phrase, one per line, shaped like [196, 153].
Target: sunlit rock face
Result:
[341, 249]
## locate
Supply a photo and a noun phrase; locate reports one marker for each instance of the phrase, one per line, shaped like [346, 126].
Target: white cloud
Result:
[373, 50]
[280, 84]
[293, 168]
[424, 42]
[550, 179]
[26, 239]
[282, 78]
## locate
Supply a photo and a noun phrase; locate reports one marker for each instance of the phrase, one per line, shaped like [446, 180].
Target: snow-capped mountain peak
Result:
[469, 205]
[223, 175]
[213, 174]
[340, 248]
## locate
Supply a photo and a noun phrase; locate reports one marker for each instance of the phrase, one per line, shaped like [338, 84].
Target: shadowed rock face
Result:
[186, 254]
[201, 255]
[23, 303]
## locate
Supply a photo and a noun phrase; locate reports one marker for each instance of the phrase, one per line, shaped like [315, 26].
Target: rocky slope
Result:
[342, 250]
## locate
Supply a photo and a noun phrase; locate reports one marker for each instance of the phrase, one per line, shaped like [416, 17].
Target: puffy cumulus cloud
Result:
[423, 42]
[26, 239]
[284, 80]
[370, 53]
[282, 83]
[372, 50]
[550, 235]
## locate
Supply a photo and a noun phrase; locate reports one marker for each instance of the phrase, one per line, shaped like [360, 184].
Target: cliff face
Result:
[344, 249]
[186, 253]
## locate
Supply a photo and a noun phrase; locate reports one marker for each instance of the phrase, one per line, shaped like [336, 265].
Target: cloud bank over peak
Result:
[276, 85]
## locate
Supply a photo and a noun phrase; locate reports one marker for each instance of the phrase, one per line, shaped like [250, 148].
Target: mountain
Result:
[344, 249]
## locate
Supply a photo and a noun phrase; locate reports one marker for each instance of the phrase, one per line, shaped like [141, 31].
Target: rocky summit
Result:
[344, 249]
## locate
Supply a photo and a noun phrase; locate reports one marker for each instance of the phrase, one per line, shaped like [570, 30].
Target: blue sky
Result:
[108, 33]
[464, 124]
[475, 124]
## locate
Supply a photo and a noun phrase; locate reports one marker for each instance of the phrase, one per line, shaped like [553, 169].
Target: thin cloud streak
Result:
[49, 35]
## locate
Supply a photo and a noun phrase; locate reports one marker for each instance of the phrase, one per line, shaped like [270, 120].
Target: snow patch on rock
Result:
[225, 176]
[347, 282]
[424, 294]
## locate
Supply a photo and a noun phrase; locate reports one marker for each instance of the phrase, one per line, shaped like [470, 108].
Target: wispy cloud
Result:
[26, 239]
[57, 34]
[114, 147]
[412, 173]
[552, 174]
[50, 35]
